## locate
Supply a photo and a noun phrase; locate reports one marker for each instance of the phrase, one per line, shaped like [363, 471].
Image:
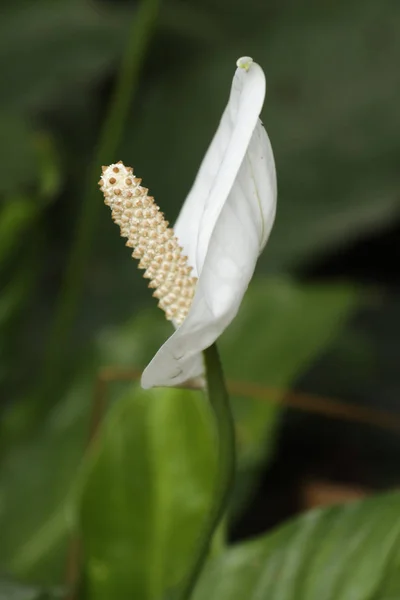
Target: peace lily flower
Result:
[200, 270]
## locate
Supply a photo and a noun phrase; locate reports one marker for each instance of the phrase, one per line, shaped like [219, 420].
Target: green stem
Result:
[219, 401]
[110, 137]
[218, 544]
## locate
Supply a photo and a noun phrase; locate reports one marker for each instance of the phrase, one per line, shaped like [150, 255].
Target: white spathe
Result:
[223, 226]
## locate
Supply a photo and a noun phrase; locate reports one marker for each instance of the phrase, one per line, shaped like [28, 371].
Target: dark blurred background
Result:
[323, 314]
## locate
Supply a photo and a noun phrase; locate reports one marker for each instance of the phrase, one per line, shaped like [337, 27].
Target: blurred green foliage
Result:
[34, 541]
[332, 114]
[9, 590]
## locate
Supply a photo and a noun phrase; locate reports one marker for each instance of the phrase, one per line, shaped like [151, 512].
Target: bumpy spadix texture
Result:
[154, 243]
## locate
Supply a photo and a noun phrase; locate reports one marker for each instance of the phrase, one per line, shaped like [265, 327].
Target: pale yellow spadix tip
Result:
[244, 62]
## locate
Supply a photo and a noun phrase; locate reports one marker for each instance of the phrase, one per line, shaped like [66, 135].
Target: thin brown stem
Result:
[310, 403]
[73, 567]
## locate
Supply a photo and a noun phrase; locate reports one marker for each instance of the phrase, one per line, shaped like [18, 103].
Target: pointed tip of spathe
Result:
[244, 62]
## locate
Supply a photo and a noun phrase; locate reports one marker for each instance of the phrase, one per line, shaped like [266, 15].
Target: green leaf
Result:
[280, 329]
[125, 499]
[147, 493]
[45, 468]
[340, 553]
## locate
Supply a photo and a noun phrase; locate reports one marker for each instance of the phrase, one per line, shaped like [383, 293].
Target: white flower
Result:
[223, 226]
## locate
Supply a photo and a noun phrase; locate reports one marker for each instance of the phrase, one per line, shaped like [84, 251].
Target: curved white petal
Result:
[231, 227]
[220, 164]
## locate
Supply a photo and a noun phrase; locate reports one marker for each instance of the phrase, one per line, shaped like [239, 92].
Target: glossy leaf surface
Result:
[340, 553]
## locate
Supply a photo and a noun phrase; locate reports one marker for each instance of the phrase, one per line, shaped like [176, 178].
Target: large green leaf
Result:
[128, 556]
[285, 325]
[147, 493]
[340, 553]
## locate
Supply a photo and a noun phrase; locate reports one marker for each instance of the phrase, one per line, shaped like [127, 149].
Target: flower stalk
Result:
[225, 477]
